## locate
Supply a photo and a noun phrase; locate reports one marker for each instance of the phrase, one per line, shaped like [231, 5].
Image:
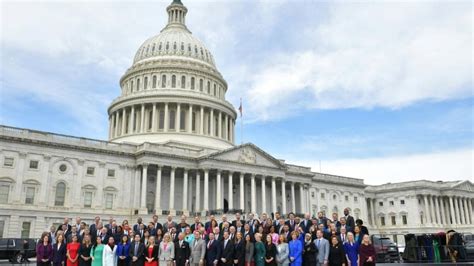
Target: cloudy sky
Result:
[375, 90]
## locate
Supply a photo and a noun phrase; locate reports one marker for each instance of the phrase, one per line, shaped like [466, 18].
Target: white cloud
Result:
[369, 55]
[446, 166]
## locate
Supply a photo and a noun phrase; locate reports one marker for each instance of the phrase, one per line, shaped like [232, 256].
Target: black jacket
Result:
[141, 249]
[227, 252]
[181, 253]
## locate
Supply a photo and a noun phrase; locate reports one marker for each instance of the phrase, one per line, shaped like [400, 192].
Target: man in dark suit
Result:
[157, 225]
[173, 234]
[136, 252]
[227, 248]
[252, 222]
[110, 224]
[237, 218]
[136, 226]
[197, 223]
[291, 221]
[248, 231]
[93, 228]
[363, 228]
[66, 227]
[181, 251]
[213, 251]
[349, 219]
[322, 219]
[306, 223]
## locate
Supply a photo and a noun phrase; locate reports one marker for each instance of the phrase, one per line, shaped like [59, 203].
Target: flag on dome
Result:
[240, 107]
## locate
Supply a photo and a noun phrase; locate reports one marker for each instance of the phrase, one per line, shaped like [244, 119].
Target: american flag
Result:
[240, 107]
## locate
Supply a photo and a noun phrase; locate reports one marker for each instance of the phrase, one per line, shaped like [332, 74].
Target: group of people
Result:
[255, 241]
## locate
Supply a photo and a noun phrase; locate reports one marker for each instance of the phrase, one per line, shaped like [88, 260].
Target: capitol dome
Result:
[173, 92]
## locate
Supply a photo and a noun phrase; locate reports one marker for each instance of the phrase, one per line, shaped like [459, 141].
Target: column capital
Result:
[145, 165]
[206, 170]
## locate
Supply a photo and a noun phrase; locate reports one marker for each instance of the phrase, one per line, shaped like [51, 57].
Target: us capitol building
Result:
[171, 150]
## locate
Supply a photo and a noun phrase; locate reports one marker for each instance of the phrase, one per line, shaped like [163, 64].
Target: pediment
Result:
[464, 185]
[248, 154]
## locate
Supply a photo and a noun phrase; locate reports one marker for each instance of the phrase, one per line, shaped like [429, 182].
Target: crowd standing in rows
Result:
[261, 241]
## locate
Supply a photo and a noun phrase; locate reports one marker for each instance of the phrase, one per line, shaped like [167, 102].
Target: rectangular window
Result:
[161, 124]
[323, 195]
[2, 228]
[88, 199]
[30, 195]
[346, 198]
[380, 203]
[172, 119]
[34, 164]
[4, 190]
[402, 202]
[312, 194]
[394, 220]
[109, 200]
[182, 120]
[404, 219]
[356, 199]
[382, 221]
[25, 229]
[90, 170]
[111, 173]
[392, 203]
[8, 161]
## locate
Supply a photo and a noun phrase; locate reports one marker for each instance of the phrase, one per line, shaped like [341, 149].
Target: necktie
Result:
[225, 243]
[136, 249]
[209, 245]
[318, 243]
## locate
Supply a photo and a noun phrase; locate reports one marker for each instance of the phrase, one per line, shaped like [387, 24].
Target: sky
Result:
[379, 90]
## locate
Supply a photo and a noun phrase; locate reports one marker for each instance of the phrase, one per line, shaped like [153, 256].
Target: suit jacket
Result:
[198, 250]
[227, 252]
[181, 253]
[323, 250]
[154, 253]
[139, 255]
[167, 226]
[59, 255]
[194, 226]
[213, 252]
[239, 252]
[244, 234]
[292, 226]
[168, 253]
[306, 227]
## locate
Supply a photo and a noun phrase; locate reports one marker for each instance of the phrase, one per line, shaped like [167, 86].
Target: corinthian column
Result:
[218, 190]
[158, 189]
[283, 197]
[231, 199]
[453, 214]
[264, 197]
[144, 183]
[274, 200]
[206, 189]
[242, 201]
[185, 189]
[172, 187]
[253, 193]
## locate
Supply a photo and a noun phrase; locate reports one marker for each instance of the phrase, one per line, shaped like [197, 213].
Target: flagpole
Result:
[241, 124]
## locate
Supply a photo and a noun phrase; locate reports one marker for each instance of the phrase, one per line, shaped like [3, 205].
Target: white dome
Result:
[176, 42]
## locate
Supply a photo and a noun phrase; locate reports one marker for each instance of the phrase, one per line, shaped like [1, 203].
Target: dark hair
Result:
[359, 221]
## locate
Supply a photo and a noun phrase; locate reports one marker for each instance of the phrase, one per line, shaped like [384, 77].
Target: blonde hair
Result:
[167, 237]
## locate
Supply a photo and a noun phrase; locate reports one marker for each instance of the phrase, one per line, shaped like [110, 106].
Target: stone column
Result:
[461, 210]
[456, 210]
[153, 118]
[211, 120]
[293, 198]
[226, 132]
[230, 129]
[201, 124]
[144, 183]
[218, 190]
[264, 197]
[185, 189]
[242, 201]
[158, 188]
[136, 190]
[117, 117]
[253, 194]
[445, 210]
[142, 119]
[274, 199]
[206, 189]
[124, 119]
[190, 119]
[427, 211]
[283, 197]
[453, 214]
[219, 128]
[110, 126]
[132, 120]
[172, 195]
[178, 118]
[436, 209]
[198, 191]
[302, 199]
[166, 125]
[440, 210]
[231, 198]
[469, 206]
[372, 206]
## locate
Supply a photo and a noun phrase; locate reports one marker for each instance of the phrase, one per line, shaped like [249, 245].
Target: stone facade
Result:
[171, 151]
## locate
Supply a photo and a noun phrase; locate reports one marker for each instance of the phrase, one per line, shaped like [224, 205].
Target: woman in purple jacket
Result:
[44, 251]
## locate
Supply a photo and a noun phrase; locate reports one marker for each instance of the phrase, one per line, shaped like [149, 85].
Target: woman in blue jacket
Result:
[296, 250]
[123, 258]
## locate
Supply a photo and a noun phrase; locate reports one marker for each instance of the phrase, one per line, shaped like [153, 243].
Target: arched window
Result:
[145, 83]
[153, 49]
[201, 84]
[182, 46]
[154, 82]
[182, 120]
[192, 83]
[172, 119]
[174, 46]
[215, 90]
[138, 84]
[173, 81]
[150, 119]
[159, 47]
[183, 82]
[131, 86]
[161, 124]
[60, 194]
[163, 81]
[208, 87]
[167, 46]
[216, 128]
[193, 126]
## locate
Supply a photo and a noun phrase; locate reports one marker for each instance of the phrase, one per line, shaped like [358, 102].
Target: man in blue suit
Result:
[213, 251]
